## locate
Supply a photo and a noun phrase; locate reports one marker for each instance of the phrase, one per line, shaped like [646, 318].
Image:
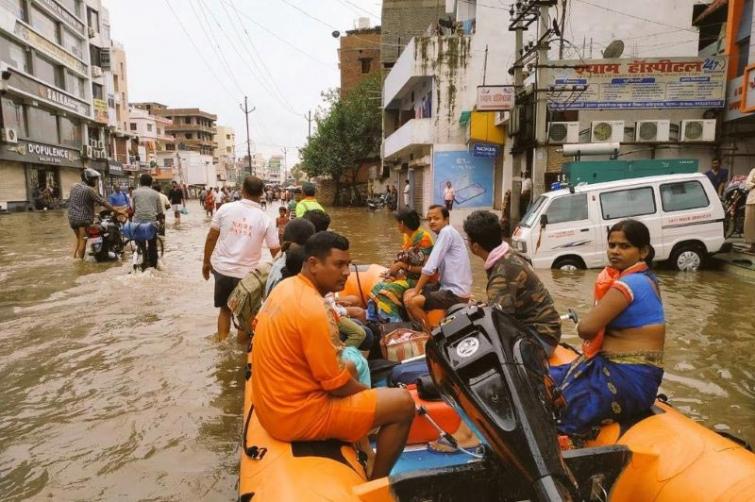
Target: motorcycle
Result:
[377, 202]
[734, 198]
[104, 240]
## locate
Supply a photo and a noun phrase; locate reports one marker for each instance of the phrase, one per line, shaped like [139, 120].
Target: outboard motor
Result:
[481, 359]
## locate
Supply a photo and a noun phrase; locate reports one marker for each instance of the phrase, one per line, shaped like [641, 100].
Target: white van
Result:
[567, 228]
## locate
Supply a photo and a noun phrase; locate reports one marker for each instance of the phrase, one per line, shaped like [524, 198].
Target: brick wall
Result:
[360, 51]
[404, 19]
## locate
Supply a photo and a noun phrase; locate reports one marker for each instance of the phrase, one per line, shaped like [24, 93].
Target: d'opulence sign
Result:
[689, 82]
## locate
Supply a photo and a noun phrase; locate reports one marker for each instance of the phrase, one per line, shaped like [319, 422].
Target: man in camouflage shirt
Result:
[512, 283]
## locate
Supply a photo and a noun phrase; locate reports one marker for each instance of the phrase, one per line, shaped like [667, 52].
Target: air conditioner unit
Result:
[563, 132]
[3, 206]
[652, 131]
[100, 144]
[103, 154]
[93, 143]
[96, 72]
[92, 33]
[86, 151]
[698, 130]
[607, 131]
[9, 135]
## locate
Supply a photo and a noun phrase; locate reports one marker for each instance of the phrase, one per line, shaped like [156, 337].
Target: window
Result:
[72, 5]
[17, 7]
[43, 125]
[13, 116]
[70, 132]
[149, 127]
[684, 195]
[228, 149]
[45, 25]
[93, 19]
[132, 126]
[94, 56]
[115, 83]
[568, 208]
[97, 92]
[366, 62]
[49, 72]
[228, 137]
[167, 162]
[15, 55]
[159, 131]
[627, 203]
[744, 52]
[71, 42]
[188, 135]
[75, 85]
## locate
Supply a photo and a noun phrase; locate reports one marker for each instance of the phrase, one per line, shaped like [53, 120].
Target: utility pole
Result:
[540, 159]
[308, 116]
[247, 111]
[562, 27]
[516, 167]
[285, 163]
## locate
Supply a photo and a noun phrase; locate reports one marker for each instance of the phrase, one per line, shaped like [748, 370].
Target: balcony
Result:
[414, 132]
[413, 66]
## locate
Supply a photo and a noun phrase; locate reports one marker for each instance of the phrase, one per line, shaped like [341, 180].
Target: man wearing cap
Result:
[308, 202]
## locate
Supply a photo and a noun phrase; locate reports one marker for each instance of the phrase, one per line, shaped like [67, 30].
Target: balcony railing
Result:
[414, 132]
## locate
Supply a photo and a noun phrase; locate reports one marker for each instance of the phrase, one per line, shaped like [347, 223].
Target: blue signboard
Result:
[480, 150]
[471, 177]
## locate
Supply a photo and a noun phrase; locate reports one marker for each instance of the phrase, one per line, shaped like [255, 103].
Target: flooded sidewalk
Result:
[115, 387]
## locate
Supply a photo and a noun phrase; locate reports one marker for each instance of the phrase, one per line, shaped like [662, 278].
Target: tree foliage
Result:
[349, 131]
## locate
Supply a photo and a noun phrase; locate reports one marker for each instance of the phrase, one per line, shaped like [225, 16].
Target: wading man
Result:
[234, 245]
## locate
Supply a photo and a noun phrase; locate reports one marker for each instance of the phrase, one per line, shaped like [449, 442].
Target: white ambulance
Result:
[567, 228]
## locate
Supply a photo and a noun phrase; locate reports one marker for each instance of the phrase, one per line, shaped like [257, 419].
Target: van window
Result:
[568, 208]
[627, 203]
[683, 195]
[529, 217]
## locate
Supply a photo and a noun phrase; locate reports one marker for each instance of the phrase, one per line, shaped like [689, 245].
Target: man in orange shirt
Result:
[302, 391]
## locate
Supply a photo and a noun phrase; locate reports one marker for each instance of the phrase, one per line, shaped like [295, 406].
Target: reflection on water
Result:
[113, 385]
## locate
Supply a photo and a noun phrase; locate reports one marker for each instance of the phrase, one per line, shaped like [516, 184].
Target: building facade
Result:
[156, 146]
[193, 128]
[46, 99]
[358, 56]
[402, 20]
[225, 155]
[429, 114]
[274, 169]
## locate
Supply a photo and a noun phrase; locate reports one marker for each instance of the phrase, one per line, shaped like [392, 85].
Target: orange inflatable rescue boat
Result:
[663, 456]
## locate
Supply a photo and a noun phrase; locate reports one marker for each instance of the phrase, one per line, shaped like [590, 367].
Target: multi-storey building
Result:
[274, 172]
[193, 128]
[46, 98]
[156, 146]
[403, 20]
[359, 55]
[225, 155]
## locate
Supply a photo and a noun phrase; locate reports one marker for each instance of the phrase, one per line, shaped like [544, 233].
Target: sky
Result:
[282, 55]
[211, 53]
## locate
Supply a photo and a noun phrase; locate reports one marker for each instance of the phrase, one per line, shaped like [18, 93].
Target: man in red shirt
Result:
[302, 391]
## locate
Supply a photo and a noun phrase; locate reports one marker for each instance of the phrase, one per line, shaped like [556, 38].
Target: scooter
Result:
[376, 202]
[734, 198]
[104, 240]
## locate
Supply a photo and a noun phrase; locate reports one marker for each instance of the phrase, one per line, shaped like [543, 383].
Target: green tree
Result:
[349, 131]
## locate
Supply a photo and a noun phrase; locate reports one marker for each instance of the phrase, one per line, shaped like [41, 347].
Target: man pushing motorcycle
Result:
[82, 200]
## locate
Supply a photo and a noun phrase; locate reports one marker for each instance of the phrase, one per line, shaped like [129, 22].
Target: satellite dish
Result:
[614, 49]
[336, 34]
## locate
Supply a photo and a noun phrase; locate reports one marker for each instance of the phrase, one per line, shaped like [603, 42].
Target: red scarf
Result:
[607, 277]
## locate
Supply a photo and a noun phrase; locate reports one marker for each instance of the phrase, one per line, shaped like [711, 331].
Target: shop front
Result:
[36, 175]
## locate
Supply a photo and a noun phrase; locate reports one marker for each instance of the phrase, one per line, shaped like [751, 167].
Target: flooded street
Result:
[114, 385]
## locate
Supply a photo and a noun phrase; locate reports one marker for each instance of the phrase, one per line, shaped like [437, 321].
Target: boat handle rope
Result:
[254, 452]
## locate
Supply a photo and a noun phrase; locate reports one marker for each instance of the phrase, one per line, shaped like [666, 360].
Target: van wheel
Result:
[687, 258]
[568, 264]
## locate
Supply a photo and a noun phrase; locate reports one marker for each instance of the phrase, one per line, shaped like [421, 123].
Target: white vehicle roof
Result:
[608, 185]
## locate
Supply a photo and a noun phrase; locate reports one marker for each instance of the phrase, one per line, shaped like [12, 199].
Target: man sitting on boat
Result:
[450, 259]
[512, 283]
[302, 391]
[619, 373]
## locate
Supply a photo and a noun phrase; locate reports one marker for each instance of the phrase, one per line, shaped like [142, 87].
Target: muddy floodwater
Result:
[113, 385]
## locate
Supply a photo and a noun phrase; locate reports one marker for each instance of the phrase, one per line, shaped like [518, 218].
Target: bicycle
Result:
[136, 236]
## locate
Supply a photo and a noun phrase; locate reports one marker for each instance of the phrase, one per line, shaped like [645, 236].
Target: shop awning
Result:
[465, 117]
[713, 7]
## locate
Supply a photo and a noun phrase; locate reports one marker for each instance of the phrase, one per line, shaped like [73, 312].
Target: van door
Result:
[637, 202]
[689, 213]
[570, 230]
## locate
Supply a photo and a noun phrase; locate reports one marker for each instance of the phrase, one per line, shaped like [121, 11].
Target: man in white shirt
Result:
[526, 197]
[407, 194]
[450, 259]
[234, 245]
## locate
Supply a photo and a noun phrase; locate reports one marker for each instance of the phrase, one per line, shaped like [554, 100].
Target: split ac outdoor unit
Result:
[9, 135]
[652, 131]
[100, 144]
[563, 132]
[698, 130]
[103, 154]
[86, 151]
[93, 143]
[96, 72]
[92, 33]
[607, 131]
[3, 206]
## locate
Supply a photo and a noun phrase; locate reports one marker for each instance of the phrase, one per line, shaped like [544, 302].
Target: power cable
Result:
[357, 7]
[216, 48]
[191, 40]
[680, 28]
[278, 37]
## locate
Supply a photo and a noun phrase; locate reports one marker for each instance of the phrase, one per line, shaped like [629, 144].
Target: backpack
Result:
[246, 298]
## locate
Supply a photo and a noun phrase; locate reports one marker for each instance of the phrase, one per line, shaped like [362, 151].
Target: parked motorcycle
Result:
[104, 240]
[377, 202]
[734, 198]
